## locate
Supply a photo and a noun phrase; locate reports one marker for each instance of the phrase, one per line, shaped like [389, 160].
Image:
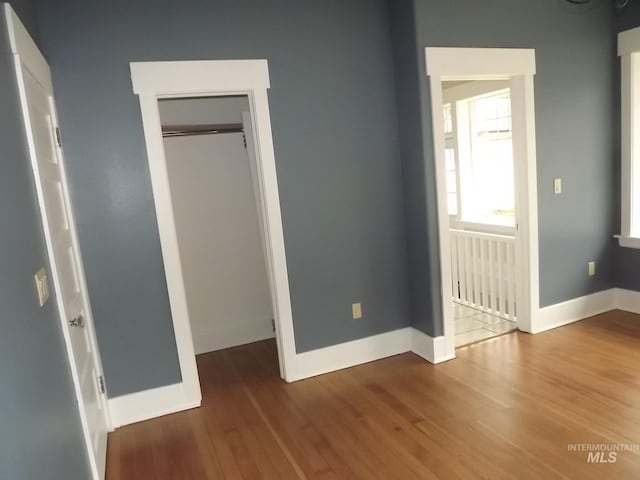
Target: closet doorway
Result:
[246, 81]
[216, 205]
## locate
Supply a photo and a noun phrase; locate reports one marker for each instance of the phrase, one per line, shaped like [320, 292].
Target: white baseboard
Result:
[161, 401]
[571, 311]
[232, 335]
[431, 349]
[348, 354]
[148, 404]
[627, 300]
[369, 349]
[443, 352]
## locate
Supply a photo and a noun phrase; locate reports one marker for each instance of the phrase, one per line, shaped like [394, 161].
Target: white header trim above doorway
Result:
[479, 63]
[207, 77]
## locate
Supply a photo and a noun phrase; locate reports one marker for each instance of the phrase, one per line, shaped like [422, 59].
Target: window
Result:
[452, 181]
[479, 156]
[629, 52]
[450, 160]
[490, 196]
[448, 119]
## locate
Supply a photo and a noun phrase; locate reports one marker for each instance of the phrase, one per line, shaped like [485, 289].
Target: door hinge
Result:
[101, 384]
[244, 141]
[58, 137]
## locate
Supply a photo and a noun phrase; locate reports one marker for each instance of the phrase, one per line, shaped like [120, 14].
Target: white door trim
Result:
[155, 80]
[518, 66]
[27, 55]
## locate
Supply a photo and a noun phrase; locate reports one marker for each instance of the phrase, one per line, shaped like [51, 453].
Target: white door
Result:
[38, 108]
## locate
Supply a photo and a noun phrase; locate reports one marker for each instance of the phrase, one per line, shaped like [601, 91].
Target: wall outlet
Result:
[557, 186]
[42, 286]
[592, 269]
[356, 311]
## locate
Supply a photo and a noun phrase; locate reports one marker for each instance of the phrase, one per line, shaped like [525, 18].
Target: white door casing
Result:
[38, 108]
[255, 181]
[210, 78]
[258, 194]
[518, 67]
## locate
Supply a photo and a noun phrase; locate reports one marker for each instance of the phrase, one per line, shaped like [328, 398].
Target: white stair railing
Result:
[483, 272]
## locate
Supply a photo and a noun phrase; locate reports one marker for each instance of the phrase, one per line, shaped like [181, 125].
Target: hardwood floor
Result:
[506, 408]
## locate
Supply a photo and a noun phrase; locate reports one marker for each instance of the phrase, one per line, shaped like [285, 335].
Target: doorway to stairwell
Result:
[483, 121]
[481, 206]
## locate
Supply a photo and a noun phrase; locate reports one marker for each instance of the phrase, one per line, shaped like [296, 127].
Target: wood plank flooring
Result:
[506, 408]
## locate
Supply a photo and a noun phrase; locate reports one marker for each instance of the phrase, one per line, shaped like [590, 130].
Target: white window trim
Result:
[519, 67]
[629, 53]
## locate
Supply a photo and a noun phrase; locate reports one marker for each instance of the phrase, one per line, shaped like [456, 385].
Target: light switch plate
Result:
[42, 286]
[592, 269]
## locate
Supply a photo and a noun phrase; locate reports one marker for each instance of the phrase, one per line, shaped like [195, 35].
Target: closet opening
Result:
[216, 203]
[219, 221]
[228, 100]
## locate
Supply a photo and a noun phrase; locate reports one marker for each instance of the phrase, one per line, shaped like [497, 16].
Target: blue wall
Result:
[347, 175]
[575, 95]
[336, 143]
[420, 203]
[351, 122]
[40, 434]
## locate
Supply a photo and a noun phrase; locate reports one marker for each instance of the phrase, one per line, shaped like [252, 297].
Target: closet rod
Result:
[190, 130]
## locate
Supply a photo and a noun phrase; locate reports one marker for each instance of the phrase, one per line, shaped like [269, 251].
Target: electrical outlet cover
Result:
[557, 186]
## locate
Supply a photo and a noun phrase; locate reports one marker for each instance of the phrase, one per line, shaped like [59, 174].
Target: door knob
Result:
[77, 322]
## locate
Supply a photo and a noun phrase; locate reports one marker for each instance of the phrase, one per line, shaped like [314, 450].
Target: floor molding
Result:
[152, 403]
[238, 334]
[431, 349]
[136, 407]
[573, 310]
[369, 349]
[627, 300]
[349, 354]
[161, 401]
